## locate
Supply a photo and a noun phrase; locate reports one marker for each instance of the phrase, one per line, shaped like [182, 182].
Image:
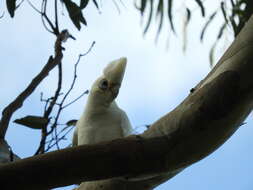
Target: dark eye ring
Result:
[103, 84]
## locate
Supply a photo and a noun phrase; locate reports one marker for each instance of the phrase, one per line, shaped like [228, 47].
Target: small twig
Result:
[48, 111]
[68, 104]
[71, 87]
[62, 130]
[59, 139]
[55, 30]
[75, 76]
[44, 14]
[56, 138]
[56, 16]
[37, 10]
[84, 54]
[18, 102]
[61, 107]
[57, 92]
[53, 138]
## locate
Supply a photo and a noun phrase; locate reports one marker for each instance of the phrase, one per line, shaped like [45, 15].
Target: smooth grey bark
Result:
[211, 113]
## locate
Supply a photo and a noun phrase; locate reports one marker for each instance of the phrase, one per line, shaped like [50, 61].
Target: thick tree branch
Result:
[200, 124]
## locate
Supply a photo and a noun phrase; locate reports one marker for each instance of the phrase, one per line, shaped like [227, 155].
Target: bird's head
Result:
[106, 88]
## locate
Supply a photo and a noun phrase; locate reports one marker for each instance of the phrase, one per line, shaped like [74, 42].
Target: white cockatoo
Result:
[102, 119]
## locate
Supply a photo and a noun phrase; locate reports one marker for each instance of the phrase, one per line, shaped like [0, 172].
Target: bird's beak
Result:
[115, 71]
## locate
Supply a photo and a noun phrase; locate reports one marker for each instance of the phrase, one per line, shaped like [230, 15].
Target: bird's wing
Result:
[75, 138]
[125, 124]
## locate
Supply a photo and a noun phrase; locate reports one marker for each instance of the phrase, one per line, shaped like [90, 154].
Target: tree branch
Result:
[48, 111]
[61, 106]
[212, 112]
[18, 102]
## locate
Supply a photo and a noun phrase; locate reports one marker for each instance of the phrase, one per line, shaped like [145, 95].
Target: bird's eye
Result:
[103, 84]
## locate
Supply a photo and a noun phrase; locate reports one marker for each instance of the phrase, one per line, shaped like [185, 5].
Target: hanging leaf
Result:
[72, 122]
[221, 31]
[159, 12]
[83, 3]
[234, 26]
[143, 6]
[188, 16]
[150, 16]
[202, 8]
[11, 7]
[213, 48]
[232, 3]
[32, 121]
[75, 13]
[206, 25]
[82, 19]
[96, 4]
[185, 27]
[211, 54]
[224, 11]
[170, 15]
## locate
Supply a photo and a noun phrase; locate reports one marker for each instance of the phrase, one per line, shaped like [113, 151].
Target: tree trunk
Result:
[211, 113]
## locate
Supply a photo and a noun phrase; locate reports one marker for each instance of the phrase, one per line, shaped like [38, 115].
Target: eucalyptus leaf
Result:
[143, 6]
[211, 54]
[206, 25]
[224, 11]
[202, 8]
[221, 31]
[160, 12]
[32, 121]
[170, 14]
[83, 3]
[96, 4]
[75, 13]
[11, 7]
[188, 16]
[72, 122]
[150, 16]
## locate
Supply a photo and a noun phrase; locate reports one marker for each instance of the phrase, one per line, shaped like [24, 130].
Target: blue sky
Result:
[156, 81]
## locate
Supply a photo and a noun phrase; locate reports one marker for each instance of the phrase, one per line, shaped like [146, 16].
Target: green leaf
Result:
[232, 3]
[206, 25]
[211, 54]
[202, 8]
[170, 15]
[188, 16]
[32, 121]
[160, 11]
[82, 19]
[185, 27]
[11, 7]
[150, 16]
[224, 12]
[143, 6]
[221, 31]
[234, 26]
[213, 48]
[83, 3]
[75, 13]
[72, 122]
[96, 4]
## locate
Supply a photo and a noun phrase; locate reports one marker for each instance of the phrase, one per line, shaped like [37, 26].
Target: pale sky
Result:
[157, 79]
